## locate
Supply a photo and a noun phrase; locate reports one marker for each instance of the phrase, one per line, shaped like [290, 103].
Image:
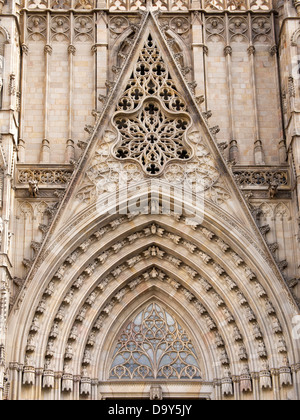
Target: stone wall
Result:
[59, 61]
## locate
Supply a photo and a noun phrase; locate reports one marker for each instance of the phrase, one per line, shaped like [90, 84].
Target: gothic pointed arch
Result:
[153, 345]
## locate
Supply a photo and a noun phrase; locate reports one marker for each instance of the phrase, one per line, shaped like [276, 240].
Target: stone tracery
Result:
[169, 5]
[152, 138]
[99, 277]
[151, 135]
[154, 346]
[84, 314]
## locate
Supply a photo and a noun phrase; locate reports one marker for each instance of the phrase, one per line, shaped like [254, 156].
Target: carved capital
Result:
[48, 49]
[254, 375]
[273, 50]
[295, 368]
[251, 50]
[274, 372]
[25, 49]
[228, 50]
[71, 49]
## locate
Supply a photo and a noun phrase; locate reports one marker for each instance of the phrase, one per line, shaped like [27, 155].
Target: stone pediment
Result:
[151, 129]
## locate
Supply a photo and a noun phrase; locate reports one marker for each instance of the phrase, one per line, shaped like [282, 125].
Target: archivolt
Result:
[119, 262]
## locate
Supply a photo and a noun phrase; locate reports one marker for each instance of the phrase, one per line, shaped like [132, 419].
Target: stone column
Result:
[5, 266]
[199, 56]
[255, 381]
[70, 149]
[258, 147]
[218, 389]
[13, 367]
[236, 387]
[296, 378]
[57, 385]
[94, 389]
[100, 49]
[45, 150]
[38, 383]
[233, 146]
[25, 50]
[296, 157]
[275, 382]
[76, 390]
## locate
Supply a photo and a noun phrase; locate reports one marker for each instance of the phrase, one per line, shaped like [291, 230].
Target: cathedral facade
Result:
[149, 199]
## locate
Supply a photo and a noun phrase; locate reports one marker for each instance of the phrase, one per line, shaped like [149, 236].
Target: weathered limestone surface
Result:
[75, 282]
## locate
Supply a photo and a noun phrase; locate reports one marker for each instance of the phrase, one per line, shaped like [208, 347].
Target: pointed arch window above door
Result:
[154, 346]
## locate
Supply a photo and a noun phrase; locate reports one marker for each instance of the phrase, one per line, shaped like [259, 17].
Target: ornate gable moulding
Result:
[161, 5]
[151, 135]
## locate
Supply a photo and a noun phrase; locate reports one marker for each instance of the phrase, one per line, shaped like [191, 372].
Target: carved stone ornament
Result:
[152, 136]
[156, 5]
[215, 29]
[60, 28]
[36, 27]
[261, 29]
[156, 392]
[238, 29]
[61, 4]
[84, 28]
[170, 359]
[37, 4]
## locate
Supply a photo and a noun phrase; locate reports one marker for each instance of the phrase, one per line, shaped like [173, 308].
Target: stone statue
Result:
[33, 187]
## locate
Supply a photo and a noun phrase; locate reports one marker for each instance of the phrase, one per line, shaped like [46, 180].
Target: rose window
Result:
[151, 115]
[152, 137]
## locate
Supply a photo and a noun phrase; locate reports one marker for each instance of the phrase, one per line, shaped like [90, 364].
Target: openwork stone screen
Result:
[164, 5]
[154, 346]
[154, 133]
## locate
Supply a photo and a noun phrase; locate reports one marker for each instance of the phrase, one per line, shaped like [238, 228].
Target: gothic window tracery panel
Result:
[37, 4]
[150, 77]
[162, 5]
[61, 4]
[151, 115]
[152, 137]
[154, 346]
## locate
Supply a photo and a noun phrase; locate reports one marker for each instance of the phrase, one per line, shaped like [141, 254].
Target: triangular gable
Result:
[190, 152]
[152, 88]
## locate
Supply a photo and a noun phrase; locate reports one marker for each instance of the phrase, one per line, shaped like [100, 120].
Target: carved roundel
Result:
[152, 136]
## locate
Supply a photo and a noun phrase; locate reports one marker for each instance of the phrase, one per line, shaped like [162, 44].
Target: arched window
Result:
[154, 346]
